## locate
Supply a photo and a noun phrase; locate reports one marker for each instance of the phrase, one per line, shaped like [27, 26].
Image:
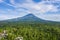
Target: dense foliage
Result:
[31, 31]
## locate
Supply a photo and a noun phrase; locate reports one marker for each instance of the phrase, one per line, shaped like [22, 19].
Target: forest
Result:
[29, 31]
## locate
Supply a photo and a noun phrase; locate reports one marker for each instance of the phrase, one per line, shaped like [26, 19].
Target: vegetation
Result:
[31, 31]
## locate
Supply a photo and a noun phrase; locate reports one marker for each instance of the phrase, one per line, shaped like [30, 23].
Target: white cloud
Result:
[1, 1]
[9, 14]
[40, 7]
[52, 0]
[4, 17]
[31, 6]
[51, 17]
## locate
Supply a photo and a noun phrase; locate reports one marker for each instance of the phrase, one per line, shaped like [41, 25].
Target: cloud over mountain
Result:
[36, 7]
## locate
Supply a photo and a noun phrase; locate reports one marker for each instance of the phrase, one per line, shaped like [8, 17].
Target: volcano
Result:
[28, 18]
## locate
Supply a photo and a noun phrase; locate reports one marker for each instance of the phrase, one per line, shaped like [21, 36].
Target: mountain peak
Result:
[30, 15]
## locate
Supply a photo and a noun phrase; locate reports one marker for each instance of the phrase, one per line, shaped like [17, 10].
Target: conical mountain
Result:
[28, 17]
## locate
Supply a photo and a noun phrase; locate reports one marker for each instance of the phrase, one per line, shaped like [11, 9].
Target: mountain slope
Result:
[29, 18]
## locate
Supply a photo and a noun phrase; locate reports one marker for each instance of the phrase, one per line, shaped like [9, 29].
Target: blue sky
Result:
[44, 9]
